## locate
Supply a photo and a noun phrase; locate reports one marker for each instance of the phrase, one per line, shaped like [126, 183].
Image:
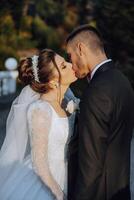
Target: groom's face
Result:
[78, 60]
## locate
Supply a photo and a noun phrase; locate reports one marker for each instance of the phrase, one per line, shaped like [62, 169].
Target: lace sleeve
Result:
[41, 124]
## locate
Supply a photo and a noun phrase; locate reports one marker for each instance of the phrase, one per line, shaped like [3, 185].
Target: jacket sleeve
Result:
[94, 127]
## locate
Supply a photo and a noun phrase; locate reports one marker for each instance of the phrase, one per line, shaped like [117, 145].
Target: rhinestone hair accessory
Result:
[35, 68]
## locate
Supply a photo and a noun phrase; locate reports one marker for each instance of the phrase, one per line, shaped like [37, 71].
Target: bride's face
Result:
[66, 71]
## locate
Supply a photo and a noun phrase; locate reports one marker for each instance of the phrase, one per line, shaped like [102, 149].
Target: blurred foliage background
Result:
[28, 25]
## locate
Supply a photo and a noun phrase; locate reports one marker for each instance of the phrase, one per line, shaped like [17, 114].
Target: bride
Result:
[33, 158]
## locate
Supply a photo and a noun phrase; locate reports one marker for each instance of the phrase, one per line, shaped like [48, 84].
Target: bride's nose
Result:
[73, 68]
[70, 65]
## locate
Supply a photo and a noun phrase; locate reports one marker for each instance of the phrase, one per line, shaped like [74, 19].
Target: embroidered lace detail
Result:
[41, 119]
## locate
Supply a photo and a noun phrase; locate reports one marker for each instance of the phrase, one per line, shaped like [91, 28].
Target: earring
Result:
[56, 84]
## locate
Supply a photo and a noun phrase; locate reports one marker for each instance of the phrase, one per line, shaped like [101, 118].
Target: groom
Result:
[105, 122]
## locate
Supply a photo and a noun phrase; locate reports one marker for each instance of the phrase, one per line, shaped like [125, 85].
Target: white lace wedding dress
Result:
[45, 168]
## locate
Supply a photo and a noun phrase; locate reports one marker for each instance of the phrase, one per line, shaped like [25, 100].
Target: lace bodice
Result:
[49, 136]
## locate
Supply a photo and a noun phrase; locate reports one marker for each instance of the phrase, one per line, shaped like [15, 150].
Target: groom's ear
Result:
[80, 48]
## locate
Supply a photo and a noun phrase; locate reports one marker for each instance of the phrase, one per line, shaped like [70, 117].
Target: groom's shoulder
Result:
[109, 83]
[110, 78]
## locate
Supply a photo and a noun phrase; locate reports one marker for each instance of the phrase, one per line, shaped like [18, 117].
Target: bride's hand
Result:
[65, 197]
[61, 196]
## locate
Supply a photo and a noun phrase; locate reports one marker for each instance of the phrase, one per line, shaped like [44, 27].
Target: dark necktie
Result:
[89, 77]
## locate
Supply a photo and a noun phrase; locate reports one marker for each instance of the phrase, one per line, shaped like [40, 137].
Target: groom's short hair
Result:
[87, 34]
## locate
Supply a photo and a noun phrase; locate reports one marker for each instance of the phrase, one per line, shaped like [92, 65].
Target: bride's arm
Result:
[41, 123]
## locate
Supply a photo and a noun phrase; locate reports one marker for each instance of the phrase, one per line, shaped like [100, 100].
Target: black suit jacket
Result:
[104, 129]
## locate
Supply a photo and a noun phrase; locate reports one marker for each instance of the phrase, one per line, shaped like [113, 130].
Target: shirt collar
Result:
[98, 66]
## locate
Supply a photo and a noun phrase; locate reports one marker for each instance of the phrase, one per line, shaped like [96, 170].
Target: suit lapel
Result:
[103, 68]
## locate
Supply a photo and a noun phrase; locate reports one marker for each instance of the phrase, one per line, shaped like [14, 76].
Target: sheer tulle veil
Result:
[18, 177]
[15, 144]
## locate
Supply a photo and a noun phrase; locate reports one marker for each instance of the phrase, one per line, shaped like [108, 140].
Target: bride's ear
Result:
[54, 84]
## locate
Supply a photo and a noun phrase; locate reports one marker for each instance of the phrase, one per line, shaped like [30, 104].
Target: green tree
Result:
[13, 7]
[52, 12]
[115, 21]
[46, 36]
